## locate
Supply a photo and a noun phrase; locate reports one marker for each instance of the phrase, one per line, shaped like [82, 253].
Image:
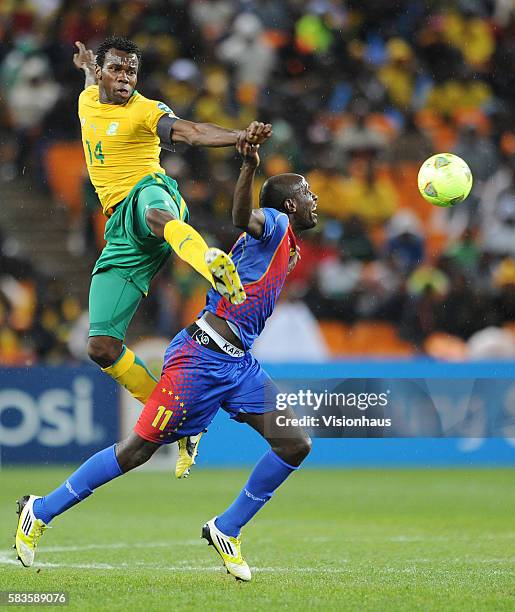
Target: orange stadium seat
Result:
[377, 338]
[65, 167]
[446, 347]
[510, 326]
[335, 334]
[377, 235]
[404, 177]
[435, 244]
[364, 338]
[193, 305]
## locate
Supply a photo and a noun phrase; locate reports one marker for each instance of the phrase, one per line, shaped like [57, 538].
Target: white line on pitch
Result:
[5, 560]
[120, 545]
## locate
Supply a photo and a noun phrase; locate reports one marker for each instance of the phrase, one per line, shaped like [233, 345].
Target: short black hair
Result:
[277, 189]
[116, 42]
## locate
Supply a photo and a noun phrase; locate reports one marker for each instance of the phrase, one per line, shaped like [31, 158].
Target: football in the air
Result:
[444, 180]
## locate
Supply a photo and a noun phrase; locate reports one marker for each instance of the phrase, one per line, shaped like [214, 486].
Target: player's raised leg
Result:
[213, 264]
[289, 446]
[35, 513]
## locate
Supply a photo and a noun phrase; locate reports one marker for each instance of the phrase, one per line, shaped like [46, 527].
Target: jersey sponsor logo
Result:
[232, 350]
[162, 106]
[201, 337]
[113, 128]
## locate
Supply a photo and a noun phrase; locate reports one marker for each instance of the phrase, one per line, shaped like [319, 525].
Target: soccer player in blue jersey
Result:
[208, 366]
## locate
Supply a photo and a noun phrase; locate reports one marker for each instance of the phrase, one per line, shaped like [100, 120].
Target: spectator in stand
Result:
[314, 250]
[480, 153]
[497, 205]
[359, 136]
[369, 195]
[499, 234]
[465, 252]
[405, 242]
[382, 293]
[427, 288]
[248, 51]
[32, 95]
[462, 311]
[338, 281]
[474, 146]
[411, 144]
[357, 241]
[327, 182]
[503, 304]
[399, 74]
[471, 33]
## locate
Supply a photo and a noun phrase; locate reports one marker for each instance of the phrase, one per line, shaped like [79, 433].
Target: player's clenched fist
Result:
[258, 132]
[249, 153]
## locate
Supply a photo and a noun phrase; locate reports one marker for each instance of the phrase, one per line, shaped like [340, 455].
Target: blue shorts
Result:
[195, 383]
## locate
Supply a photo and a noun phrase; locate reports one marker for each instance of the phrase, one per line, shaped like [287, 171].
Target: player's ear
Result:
[289, 205]
[98, 72]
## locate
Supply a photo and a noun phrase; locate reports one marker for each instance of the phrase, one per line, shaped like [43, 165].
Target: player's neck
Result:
[104, 99]
[296, 230]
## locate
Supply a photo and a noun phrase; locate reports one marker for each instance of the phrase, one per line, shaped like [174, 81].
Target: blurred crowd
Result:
[359, 94]
[37, 315]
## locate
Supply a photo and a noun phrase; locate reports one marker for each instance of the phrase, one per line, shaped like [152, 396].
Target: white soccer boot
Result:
[229, 548]
[29, 530]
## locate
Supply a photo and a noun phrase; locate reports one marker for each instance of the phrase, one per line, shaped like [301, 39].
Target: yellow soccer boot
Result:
[29, 530]
[188, 451]
[229, 548]
[226, 278]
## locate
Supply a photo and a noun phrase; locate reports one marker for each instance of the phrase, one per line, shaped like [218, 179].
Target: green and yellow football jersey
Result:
[120, 142]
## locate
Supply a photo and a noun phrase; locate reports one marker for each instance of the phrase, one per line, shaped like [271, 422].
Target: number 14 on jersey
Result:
[97, 152]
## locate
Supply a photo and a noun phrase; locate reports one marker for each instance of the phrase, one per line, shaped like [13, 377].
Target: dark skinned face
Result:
[302, 206]
[118, 77]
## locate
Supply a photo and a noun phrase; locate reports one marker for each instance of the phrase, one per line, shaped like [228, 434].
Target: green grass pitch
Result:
[329, 540]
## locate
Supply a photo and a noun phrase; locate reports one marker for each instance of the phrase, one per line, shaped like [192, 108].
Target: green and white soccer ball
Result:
[444, 180]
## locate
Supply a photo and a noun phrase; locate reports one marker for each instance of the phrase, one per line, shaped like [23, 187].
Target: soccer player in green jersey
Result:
[122, 134]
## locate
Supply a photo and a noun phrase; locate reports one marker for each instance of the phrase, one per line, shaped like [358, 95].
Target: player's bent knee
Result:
[134, 451]
[302, 448]
[156, 220]
[104, 350]
[293, 450]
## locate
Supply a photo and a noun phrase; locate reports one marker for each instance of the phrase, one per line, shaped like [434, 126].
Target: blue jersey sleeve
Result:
[275, 221]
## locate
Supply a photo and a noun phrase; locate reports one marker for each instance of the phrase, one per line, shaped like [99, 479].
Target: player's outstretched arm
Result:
[244, 216]
[172, 130]
[84, 59]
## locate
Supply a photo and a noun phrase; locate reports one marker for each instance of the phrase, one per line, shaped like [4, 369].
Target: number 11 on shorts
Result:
[166, 414]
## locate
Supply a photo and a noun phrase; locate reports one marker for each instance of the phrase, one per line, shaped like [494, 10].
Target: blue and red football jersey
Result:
[262, 265]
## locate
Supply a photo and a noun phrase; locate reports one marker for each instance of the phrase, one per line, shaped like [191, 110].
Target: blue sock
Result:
[270, 472]
[96, 471]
